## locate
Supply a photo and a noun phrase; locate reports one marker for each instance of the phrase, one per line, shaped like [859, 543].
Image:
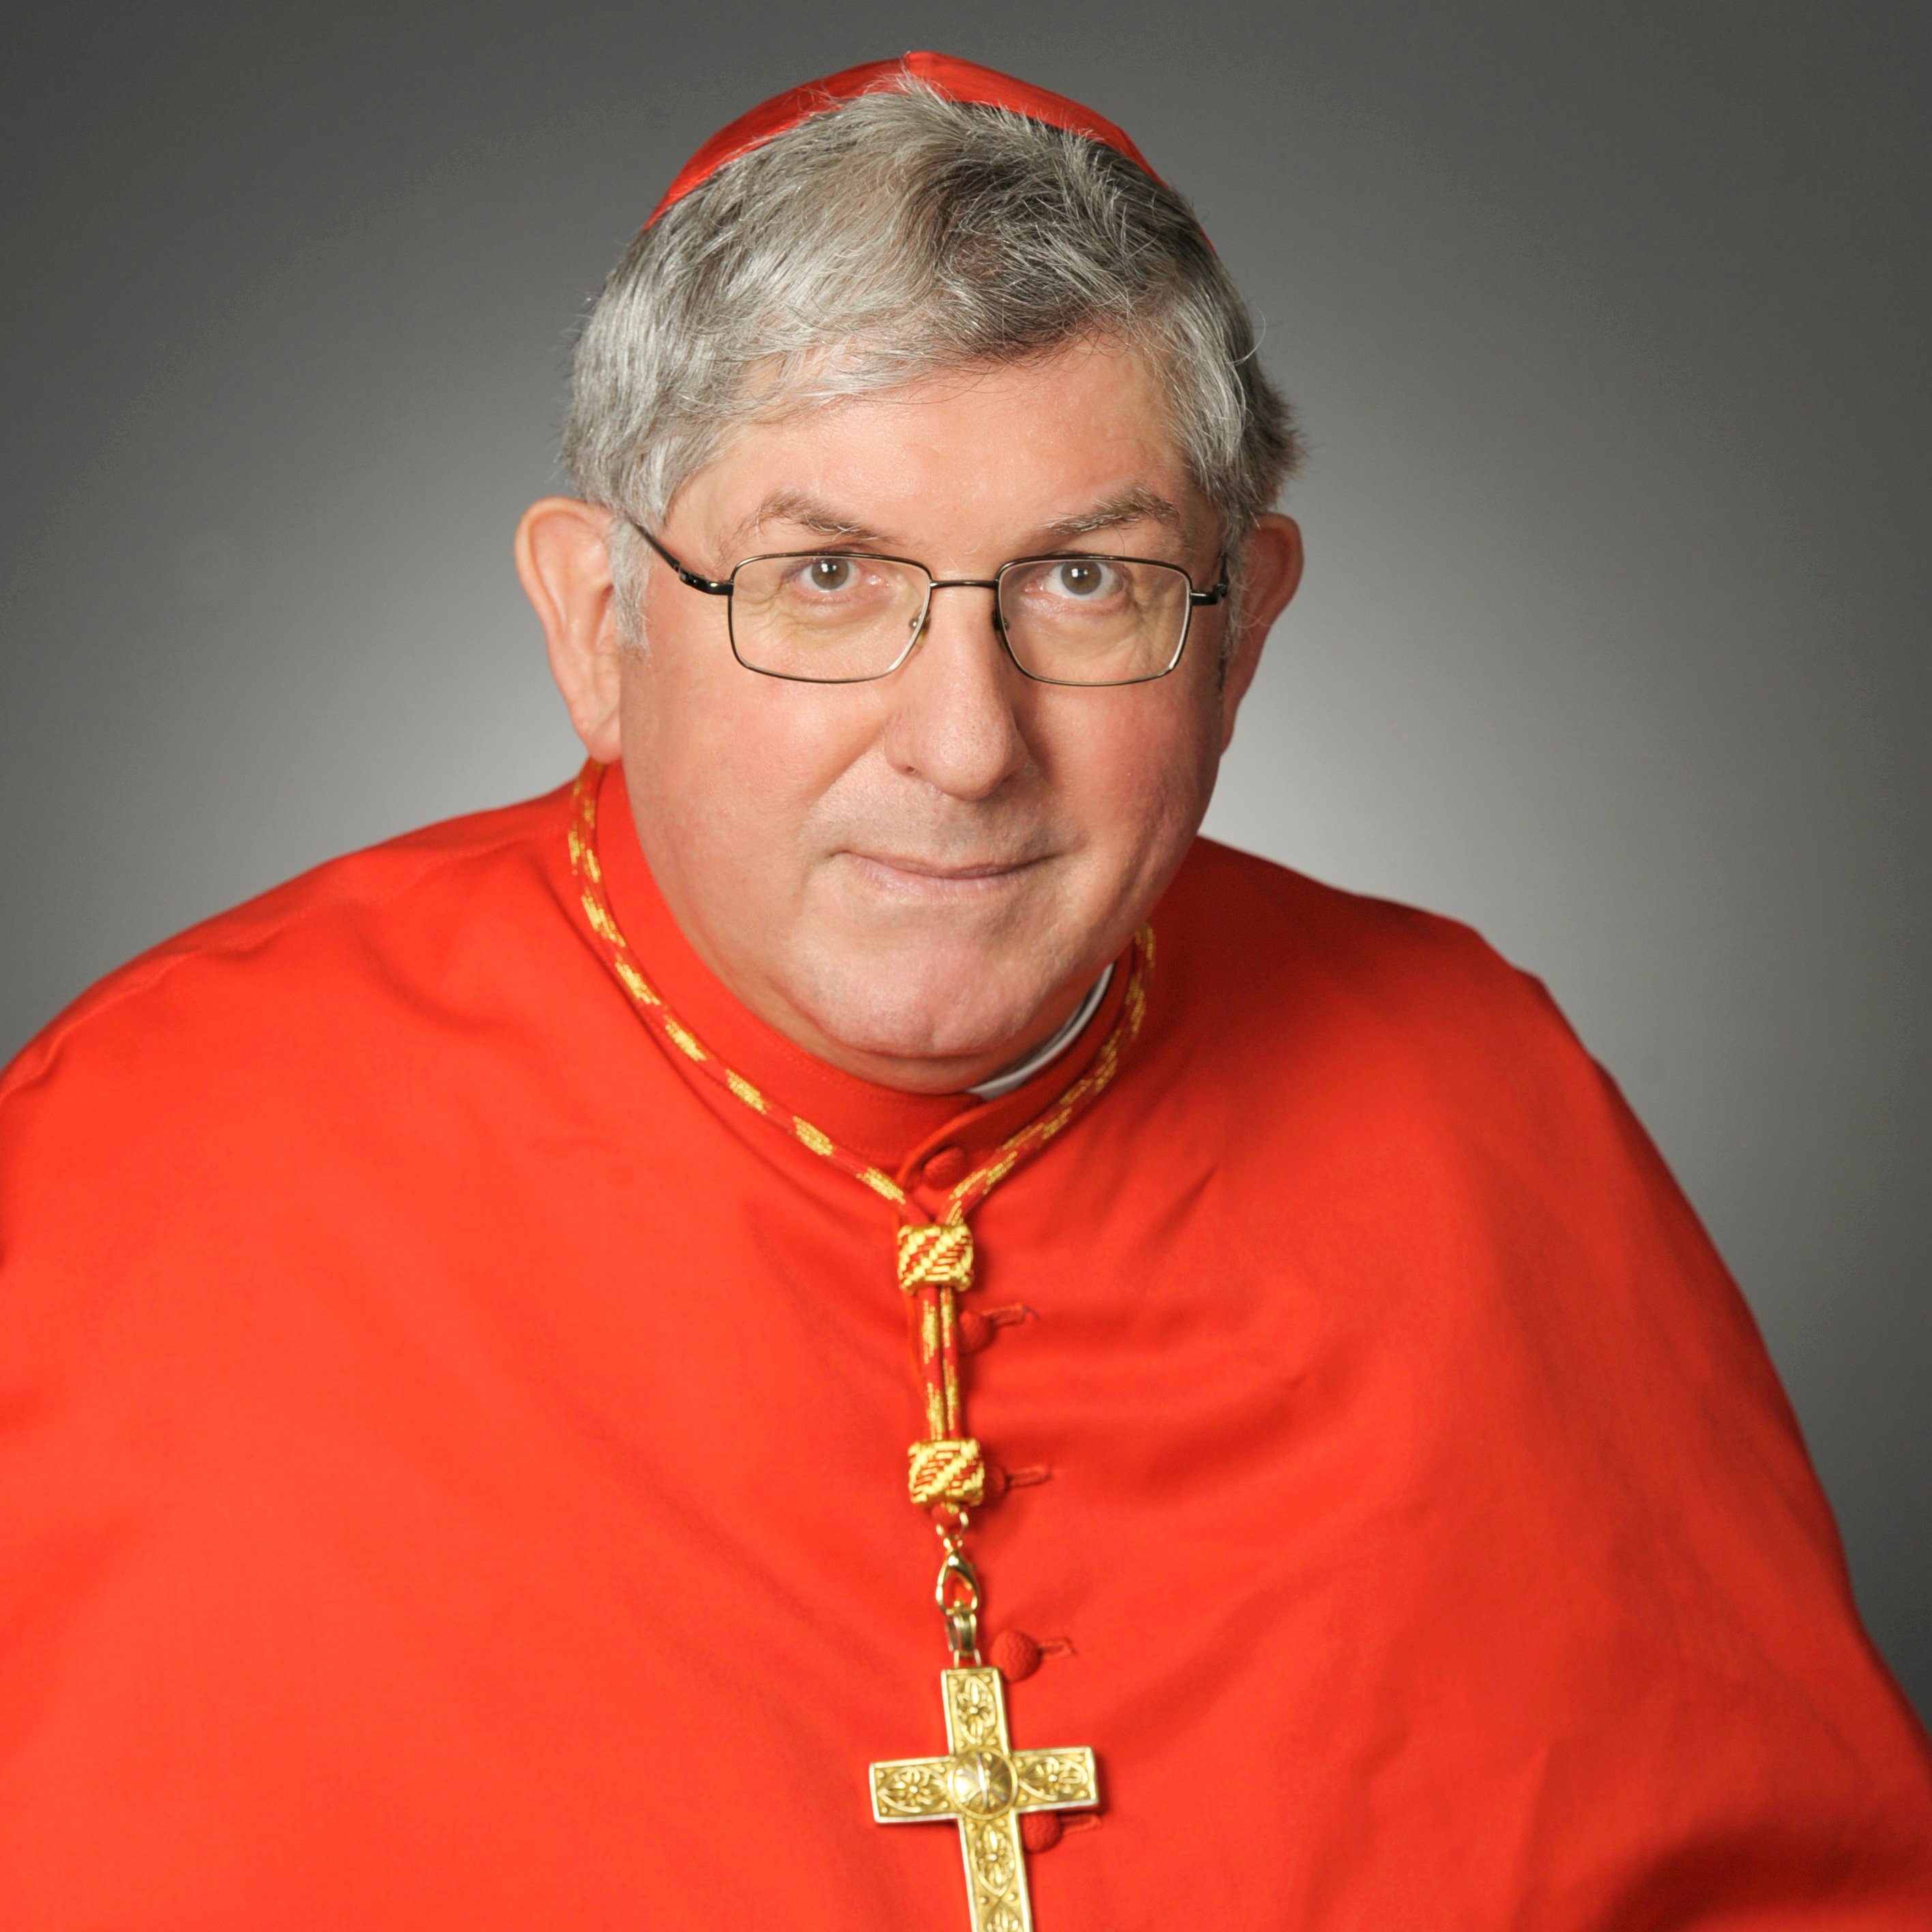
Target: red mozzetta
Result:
[452, 1454]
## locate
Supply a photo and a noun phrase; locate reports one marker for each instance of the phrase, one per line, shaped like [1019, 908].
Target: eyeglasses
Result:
[846, 617]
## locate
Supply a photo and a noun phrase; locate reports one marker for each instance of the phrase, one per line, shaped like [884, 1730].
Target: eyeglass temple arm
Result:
[1198, 598]
[710, 586]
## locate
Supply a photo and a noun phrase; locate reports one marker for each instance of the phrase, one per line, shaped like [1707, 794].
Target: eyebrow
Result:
[1130, 506]
[806, 512]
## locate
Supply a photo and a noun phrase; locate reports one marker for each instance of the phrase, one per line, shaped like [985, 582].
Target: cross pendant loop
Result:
[957, 1593]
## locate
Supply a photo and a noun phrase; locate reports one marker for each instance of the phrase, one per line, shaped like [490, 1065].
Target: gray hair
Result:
[899, 236]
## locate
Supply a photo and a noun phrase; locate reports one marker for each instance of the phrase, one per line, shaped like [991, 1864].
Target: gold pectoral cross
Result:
[985, 1785]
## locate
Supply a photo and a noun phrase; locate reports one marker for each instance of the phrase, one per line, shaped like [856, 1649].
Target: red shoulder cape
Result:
[451, 1463]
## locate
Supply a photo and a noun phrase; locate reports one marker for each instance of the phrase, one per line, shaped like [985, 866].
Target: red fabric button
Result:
[1014, 1654]
[943, 1168]
[1040, 1831]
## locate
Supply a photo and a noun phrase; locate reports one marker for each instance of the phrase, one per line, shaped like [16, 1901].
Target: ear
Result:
[1271, 572]
[563, 561]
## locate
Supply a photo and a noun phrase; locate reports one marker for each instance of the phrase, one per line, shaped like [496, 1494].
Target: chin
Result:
[915, 1010]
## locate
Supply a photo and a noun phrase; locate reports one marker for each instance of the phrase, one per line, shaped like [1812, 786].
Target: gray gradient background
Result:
[1610, 328]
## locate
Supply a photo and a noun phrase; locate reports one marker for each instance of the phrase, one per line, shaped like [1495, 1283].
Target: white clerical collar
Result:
[1050, 1049]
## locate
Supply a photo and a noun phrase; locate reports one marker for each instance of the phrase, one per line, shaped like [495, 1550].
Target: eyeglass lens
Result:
[840, 618]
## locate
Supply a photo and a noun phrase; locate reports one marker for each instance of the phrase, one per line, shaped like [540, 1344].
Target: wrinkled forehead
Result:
[1100, 363]
[1064, 445]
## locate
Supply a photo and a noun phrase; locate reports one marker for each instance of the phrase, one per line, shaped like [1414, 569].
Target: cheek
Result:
[734, 761]
[1137, 774]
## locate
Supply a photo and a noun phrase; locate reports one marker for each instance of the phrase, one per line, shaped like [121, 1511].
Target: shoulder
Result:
[1289, 955]
[311, 953]
[325, 1092]
[1307, 1016]
[1385, 1072]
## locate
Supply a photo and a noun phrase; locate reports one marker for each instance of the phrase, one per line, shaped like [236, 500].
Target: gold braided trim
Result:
[947, 1472]
[936, 1255]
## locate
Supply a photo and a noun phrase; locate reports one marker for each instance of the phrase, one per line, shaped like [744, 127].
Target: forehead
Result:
[1002, 454]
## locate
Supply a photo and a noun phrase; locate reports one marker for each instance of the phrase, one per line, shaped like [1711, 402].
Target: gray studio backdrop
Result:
[1608, 326]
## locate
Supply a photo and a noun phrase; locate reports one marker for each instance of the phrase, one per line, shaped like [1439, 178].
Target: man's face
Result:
[917, 877]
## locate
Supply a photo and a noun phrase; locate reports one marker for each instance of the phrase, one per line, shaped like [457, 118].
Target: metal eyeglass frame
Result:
[716, 586]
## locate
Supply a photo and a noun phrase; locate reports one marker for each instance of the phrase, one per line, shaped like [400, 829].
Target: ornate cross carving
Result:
[984, 1784]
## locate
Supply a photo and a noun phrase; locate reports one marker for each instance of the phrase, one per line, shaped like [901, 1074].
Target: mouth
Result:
[912, 876]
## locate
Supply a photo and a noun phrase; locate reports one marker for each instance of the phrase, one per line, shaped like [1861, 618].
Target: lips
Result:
[909, 871]
[932, 869]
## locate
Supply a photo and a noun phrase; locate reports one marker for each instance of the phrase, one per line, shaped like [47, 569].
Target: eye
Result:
[1081, 577]
[830, 573]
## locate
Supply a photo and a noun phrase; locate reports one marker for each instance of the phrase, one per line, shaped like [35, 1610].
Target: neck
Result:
[995, 1068]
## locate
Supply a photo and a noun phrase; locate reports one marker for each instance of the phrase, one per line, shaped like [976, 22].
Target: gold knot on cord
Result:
[949, 1471]
[936, 1255]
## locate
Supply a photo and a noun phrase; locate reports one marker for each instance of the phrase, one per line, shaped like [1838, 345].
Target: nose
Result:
[954, 721]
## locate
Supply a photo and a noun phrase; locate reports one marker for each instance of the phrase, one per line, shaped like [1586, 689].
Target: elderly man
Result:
[475, 1317]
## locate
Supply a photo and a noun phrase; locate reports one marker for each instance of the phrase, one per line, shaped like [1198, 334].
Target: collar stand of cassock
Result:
[961, 80]
[900, 1131]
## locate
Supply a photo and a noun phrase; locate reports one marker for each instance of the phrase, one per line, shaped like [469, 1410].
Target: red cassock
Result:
[452, 1457]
